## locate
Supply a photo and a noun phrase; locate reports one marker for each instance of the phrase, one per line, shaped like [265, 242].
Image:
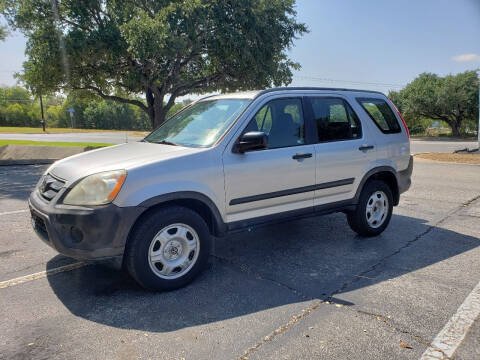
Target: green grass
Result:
[35, 130]
[52, 143]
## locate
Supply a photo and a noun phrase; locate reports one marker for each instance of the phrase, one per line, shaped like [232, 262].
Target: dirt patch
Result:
[455, 158]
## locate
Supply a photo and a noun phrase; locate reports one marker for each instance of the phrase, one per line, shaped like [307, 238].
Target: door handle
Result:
[301, 156]
[366, 147]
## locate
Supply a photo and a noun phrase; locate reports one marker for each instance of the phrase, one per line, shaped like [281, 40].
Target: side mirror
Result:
[252, 140]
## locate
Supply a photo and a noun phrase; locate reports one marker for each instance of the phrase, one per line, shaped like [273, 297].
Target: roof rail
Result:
[266, 91]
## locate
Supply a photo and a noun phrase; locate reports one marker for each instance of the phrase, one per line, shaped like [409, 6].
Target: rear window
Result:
[381, 114]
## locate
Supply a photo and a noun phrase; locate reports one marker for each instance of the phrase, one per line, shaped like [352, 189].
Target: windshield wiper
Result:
[164, 142]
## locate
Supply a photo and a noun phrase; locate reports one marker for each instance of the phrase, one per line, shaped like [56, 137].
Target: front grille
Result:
[50, 186]
[39, 226]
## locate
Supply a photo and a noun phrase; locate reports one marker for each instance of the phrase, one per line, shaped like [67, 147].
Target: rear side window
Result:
[335, 120]
[381, 114]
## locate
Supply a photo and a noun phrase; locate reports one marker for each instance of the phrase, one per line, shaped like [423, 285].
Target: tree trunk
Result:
[157, 110]
[160, 117]
[455, 126]
[150, 106]
[157, 115]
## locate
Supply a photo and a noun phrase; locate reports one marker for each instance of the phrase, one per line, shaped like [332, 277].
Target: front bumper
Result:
[84, 233]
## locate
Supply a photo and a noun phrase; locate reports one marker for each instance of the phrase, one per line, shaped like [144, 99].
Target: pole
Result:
[43, 117]
[478, 131]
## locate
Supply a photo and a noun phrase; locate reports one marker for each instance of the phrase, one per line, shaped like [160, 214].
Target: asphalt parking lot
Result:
[309, 289]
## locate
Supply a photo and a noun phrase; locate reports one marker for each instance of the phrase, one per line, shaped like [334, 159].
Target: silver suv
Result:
[225, 163]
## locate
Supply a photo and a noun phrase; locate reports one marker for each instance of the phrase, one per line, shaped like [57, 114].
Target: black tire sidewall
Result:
[139, 244]
[370, 188]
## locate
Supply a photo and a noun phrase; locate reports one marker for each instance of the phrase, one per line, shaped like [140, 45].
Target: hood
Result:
[124, 156]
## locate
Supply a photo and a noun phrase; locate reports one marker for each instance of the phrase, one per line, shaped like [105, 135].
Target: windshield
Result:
[199, 125]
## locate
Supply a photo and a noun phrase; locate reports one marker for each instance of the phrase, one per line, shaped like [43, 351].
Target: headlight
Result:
[96, 189]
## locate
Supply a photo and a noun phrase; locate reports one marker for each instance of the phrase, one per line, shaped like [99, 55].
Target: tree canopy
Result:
[452, 99]
[159, 49]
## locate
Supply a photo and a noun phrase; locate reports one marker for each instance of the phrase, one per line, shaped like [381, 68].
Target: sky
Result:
[364, 44]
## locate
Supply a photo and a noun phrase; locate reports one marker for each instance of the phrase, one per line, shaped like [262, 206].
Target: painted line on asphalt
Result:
[452, 335]
[41, 274]
[13, 212]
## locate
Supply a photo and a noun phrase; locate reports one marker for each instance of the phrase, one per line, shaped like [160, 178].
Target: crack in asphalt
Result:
[408, 244]
[247, 270]
[329, 300]
[295, 318]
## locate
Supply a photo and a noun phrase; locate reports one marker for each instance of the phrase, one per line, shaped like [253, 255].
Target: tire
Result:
[377, 196]
[168, 248]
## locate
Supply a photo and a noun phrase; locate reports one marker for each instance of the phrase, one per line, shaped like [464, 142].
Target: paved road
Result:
[117, 137]
[417, 145]
[440, 145]
[307, 289]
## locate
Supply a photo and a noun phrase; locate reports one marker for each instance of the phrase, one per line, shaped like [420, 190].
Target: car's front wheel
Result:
[168, 248]
[374, 209]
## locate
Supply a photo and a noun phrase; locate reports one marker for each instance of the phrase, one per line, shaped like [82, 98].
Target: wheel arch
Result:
[386, 174]
[192, 200]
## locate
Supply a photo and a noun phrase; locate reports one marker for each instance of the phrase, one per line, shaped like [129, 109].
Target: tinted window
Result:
[282, 120]
[381, 114]
[335, 120]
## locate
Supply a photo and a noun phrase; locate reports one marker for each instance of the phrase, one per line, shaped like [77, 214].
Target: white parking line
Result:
[41, 274]
[13, 212]
[449, 339]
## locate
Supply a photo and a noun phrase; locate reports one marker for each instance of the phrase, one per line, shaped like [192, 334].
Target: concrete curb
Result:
[36, 154]
[27, 162]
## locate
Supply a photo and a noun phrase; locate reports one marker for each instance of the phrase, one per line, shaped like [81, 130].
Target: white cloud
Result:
[467, 58]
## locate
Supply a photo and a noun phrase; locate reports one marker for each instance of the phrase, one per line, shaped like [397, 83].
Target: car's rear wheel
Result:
[374, 209]
[168, 248]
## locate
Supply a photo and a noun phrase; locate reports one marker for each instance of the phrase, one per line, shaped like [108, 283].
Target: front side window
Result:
[199, 125]
[335, 120]
[381, 114]
[282, 121]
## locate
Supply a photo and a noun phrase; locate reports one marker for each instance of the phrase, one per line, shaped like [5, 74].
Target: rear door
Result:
[393, 143]
[343, 149]
[274, 180]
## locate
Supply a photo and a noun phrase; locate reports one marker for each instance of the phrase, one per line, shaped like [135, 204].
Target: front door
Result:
[277, 179]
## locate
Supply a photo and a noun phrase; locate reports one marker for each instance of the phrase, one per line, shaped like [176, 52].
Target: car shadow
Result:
[256, 271]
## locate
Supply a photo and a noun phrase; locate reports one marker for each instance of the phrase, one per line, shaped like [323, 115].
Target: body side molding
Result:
[293, 191]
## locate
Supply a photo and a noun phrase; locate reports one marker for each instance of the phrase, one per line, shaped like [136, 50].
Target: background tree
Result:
[452, 99]
[18, 107]
[158, 48]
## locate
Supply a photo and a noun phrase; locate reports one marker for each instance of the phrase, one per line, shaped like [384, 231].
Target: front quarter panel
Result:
[199, 172]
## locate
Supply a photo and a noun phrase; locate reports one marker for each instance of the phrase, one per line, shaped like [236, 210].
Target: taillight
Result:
[401, 117]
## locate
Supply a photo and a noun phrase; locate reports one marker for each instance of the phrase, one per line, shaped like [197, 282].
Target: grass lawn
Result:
[473, 159]
[35, 130]
[51, 143]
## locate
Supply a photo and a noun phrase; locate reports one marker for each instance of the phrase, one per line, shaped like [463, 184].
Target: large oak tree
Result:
[144, 52]
[452, 99]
